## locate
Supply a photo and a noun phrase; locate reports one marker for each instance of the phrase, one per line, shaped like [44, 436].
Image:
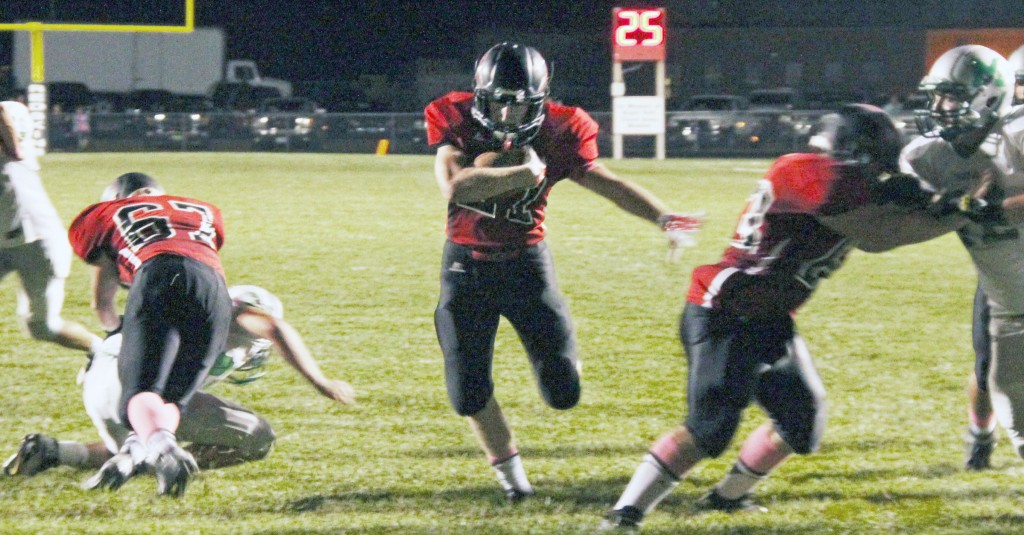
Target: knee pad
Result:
[803, 444]
[563, 398]
[559, 383]
[261, 441]
[713, 446]
[468, 404]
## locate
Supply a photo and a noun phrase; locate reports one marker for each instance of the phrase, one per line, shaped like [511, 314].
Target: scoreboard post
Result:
[638, 35]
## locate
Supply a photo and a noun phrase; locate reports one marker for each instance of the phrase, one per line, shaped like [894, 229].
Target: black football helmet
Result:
[859, 134]
[127, 184]
[510, 74]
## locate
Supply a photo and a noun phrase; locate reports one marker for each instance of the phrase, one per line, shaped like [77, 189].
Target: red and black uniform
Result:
[178, 310]
[495, 262]
[737, 328]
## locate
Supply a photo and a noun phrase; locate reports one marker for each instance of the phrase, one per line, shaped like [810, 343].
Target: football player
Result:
[968, 131]
[33, 241]
[220, 433]
[165, 250]
[804, 217]
[495, 261]
[1017, 64]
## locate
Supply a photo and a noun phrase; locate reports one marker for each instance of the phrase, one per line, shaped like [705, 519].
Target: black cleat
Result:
[713, 501]
[114, 473]
[174, 470]
[515, 496]
[37, 453]
[627, 518]
[979, 451]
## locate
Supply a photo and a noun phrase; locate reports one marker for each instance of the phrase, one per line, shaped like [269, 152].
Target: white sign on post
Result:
[35, 100]
[644, 116]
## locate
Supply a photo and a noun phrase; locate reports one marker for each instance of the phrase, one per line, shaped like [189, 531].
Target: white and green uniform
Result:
[207, 419]
[33, 243]
[997, 251]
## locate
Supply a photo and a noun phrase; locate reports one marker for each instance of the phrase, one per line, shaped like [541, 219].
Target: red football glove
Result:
[681, 231]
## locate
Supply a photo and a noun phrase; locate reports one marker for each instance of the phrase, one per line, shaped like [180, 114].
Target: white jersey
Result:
[26, 213]
[997, 250]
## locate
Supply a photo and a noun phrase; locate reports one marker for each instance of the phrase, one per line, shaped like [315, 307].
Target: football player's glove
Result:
[906, 191]
[37, 453]
[681, 231]
[983, 205]
[126, 463]
[174, 470]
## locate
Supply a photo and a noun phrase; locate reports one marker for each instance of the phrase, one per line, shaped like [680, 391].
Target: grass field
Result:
[352, 244]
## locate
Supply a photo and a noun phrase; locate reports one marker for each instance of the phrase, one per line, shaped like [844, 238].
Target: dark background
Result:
[323, 39]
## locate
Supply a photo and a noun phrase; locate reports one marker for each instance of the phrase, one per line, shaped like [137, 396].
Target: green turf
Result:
[351, 244]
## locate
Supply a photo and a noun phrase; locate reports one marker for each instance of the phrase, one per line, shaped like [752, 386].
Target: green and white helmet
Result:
[977, 79]
[246, 356]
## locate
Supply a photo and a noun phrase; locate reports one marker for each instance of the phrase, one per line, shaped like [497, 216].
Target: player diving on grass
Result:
[219, 432]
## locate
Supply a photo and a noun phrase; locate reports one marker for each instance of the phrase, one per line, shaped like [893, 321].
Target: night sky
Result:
[340, 39]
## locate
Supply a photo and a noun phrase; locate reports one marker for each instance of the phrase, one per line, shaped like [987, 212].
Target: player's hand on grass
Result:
[339, 391]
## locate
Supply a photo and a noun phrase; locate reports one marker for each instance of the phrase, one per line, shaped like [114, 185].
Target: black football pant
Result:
[176, 322]
[474, 296]
[734, 361]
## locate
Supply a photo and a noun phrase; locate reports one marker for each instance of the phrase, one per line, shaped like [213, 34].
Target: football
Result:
[505, 158]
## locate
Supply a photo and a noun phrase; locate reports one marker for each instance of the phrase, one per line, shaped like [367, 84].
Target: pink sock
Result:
[978, 425]
[666, 451]
[498, 460]
[147, 412]
[761, 453]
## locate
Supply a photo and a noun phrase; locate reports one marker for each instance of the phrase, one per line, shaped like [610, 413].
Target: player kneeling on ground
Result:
[220, 433]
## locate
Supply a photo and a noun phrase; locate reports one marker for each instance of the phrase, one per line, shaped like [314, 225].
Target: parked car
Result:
[177, 123]
[771, 121]
[831, 100]
[293, 122]
[69, 95]
[238, 96]
[705, 121]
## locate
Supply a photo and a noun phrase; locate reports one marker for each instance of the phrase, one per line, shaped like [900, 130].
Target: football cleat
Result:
[627, 518]
[979, 451]
[114, 473]
[713, 501]
[37, 453]
[515, 496]
[129, 461]
[174, 469]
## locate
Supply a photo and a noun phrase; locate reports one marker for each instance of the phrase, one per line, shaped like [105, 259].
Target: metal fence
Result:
[688, 134]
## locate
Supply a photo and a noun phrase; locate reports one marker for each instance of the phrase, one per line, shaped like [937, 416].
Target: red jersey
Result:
[135, 229]
[780, 250]
[567, 141]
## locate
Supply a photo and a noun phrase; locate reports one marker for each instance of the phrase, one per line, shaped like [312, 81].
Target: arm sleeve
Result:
[437, 124]
[86, 234]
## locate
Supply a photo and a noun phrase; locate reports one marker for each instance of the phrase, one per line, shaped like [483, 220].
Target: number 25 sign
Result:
[638, 34]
